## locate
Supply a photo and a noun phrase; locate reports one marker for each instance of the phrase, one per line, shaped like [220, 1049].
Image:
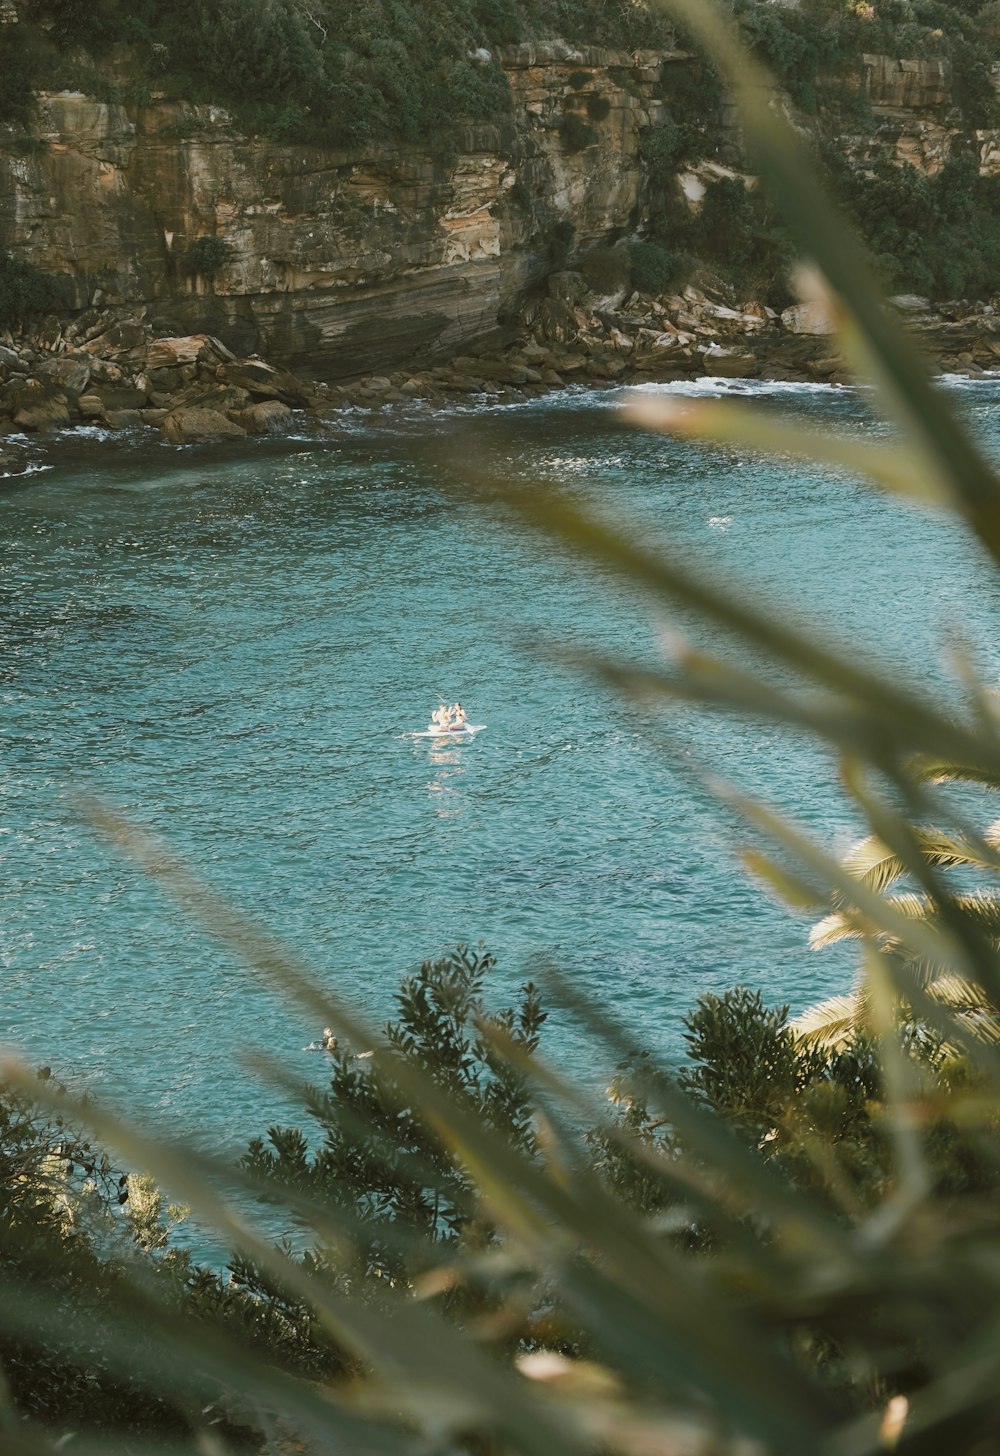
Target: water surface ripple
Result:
[233, 649]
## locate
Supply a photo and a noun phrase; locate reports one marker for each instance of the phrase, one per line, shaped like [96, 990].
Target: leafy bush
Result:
[606, 270]
[660, 146]
[559, 241]
[378, 1158]
[695, 99]
[575, 133]
[69, 1235]
[503, 22]
[651, 266]
[598, 108]
[934, 235]
[25, 291]
[370, 70]
[726, 223]
[20, 62]
[206, 257]
[268, 59]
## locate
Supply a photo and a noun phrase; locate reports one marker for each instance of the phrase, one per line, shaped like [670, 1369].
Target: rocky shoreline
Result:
[108, 368]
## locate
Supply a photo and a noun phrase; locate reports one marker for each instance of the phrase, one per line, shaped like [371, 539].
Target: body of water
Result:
[233, 649]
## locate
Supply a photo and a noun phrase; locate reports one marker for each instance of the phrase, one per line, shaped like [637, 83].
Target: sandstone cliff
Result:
[352, 263]
[344, 263]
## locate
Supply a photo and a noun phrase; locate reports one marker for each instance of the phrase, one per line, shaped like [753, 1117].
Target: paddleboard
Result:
[468, 731]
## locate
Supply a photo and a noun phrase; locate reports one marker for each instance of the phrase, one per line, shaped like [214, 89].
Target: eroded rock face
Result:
[345, 263]
[906, 85]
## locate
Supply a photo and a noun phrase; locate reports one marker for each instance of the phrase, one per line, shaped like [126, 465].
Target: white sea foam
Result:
[35, 468]
[713, 386]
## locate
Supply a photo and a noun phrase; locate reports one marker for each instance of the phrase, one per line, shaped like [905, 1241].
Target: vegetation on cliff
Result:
[353, 75]
[327, 71]
[308, 70]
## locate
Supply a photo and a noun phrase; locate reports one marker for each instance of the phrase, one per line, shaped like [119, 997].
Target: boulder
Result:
[91, 406]
[225, 398]
[191, 424]
[163, 381]
[120, 338]
[124, 419]
[464, 384]
[119, 397]
[172, 353]
[70, 372]
[40, 407]
[264, 382]
[807, 318]
[267, 417]
[726, 365]
[103, 371]
[503, 372]
[15, 458]
[214, 351]
[911, 303]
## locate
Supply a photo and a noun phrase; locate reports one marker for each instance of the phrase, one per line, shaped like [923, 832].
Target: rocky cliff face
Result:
[915, 117]
[349, 263]
[344, 263]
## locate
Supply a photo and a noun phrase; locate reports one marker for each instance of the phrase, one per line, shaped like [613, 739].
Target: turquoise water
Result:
[233, 648]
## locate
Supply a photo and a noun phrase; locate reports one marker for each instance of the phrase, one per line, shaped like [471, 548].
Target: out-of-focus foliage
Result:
[778, 1243]
[77, 1233]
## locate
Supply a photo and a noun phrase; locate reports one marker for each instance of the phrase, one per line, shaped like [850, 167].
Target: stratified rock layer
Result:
[352, 264]
[345, 263]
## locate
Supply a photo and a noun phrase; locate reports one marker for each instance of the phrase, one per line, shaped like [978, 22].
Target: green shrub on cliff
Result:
[575, 133]
[651, 267]
[606, 270]
[206, 257]
[660, 146]
[25, 291]
[20, 57]
[934, 235]
[267, 57]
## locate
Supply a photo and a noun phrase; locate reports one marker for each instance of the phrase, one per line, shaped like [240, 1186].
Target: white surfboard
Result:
[468, 730]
